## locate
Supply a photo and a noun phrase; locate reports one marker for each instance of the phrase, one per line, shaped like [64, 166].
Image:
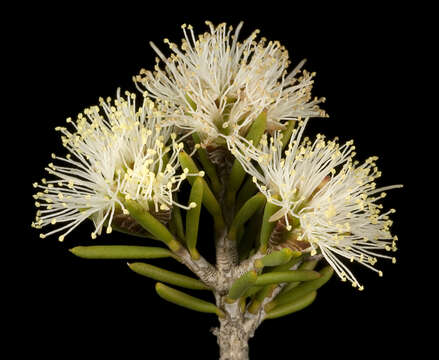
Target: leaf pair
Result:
[241, 285]
[175, 296]
[297, 298]
[153, 272]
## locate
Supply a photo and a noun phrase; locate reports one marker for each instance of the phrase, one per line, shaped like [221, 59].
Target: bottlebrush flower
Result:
[328, 201]
[116, 150]
[217, 86]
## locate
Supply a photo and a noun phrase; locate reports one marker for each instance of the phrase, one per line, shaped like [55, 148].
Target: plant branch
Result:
[200, 267]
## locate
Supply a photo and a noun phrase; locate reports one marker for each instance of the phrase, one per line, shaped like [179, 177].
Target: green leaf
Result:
[267, 226]
[286, 134]
[120, 252]
[191, 102]
[306, 265]
[193, 217]
[241, 285]
[301, 290]
[237, 172]
[276, 258]
[291, 307]
[309, 265]
[250, 237]
[267, 290]
[167, 276]
[246, 192]
[287, 266]
[257, 129]
[256, 303]
[207, 166]
[240, 233]
[253, 290]
[245, 213]
[286, 276]
[187, 301]
[209, 200]
[151, 224]
[177, 222]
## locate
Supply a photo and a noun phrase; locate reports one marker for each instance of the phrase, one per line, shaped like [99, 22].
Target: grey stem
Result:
[202, 268]
[232, 341]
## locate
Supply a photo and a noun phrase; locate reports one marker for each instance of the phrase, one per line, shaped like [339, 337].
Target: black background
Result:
[70, 56]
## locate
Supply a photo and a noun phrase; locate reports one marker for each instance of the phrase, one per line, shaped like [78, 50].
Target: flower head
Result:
[116, 150]
[328, 201]
[217, 86]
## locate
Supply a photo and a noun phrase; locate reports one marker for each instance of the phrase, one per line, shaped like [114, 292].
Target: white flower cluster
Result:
[116, 151]
[217, 86]
[326, 199]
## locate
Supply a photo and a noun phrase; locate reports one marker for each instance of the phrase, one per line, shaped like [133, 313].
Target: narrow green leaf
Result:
[209, 200]
[190, 302]
[167, 276]
[246, 192]
[287, 266]
[251, 236]
[286, 134]
[276, 258]
[237, 172]
[267, 226]
[309, 265]
[306, 265]
[177, 220]
[291, 307]
[245, 213]
[207, 166]
[191, 102]
[257, 129]
[193, 217]
[242, 284]
[120, 252]
[301, 290]
[267, 290]
[240, 233]
[253, 290]
[256, 303]
[151, 224]
[286, 276]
